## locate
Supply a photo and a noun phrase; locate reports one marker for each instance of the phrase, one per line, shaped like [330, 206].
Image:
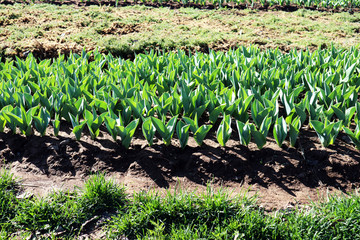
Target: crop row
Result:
[251, 3]
[251, 90]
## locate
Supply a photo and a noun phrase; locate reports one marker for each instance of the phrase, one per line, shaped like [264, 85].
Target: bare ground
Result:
[280, 176]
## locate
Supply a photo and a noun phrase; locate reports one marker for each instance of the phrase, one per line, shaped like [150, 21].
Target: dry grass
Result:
[47, 30]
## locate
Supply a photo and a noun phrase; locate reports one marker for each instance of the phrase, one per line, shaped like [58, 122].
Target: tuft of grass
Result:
[8, 201]
[7, 181]
[61, 211]
[212, 215]
[101, 194]
[43, 215]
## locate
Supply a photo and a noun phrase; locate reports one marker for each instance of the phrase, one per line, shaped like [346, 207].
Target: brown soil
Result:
[280, 176]
[177, 5]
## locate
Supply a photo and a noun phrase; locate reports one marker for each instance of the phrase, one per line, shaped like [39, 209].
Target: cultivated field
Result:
[180, 120]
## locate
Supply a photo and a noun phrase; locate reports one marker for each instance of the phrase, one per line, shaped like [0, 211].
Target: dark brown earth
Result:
[280, 176]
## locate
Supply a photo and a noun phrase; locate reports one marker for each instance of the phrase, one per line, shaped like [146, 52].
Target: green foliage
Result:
[244, 130]
[261, 133]
[42, 121]
[166, 131]
[179, 215]
[56, 124]
[101, 194]
[182, 131]
[126, 133]
[224, 131]
[77, 126]
[259, 90]
[354, 136]
[280, 131]
[148, 130]
[199, 132]
[294, 130]
[93, 121]
[8, 201]
[327, 132]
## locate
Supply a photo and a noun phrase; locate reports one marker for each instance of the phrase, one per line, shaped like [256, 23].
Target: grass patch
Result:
[43, 28]
[212, 215]
[8, 201]
[216, 216]
[58, 213]
[178, 215]
[101, 194]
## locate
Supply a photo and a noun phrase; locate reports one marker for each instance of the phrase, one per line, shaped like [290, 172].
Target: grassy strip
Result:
[212, 215]
[322, 5]
[47, 30]
[60, 213]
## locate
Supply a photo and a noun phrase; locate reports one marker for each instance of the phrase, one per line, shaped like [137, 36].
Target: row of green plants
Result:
[247, 90]
[213, 214]
[251, 3]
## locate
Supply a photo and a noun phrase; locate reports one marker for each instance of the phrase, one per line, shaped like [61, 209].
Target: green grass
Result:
[177, 215]
[57, 212]
[47, 29]
[335, 4]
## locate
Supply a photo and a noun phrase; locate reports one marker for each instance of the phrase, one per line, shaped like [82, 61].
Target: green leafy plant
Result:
[127, 133]
[326, 131]
[56, 124]
[21, 118]
[93, 121]
[354, 136]
[2, 122]
[344, 114]
[244, 130]
[111, 126]
[182, 131]
[42, 121]
[244, 84]
[148, 130]
[199, 132]
[166, 131]
[77, 126]
[280, 131]
[224, 131]
[261, 134]
[259, 112]
[294, 130]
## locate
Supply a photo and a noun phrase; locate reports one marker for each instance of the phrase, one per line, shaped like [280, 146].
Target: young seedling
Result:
[42, 121]
[327, 132]
[224, 131]
[77, 126]
[199, 132]
[182, 131]
[166, 131]
[280, 131]
[244, 130]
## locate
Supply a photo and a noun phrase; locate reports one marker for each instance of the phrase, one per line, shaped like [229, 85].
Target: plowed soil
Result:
[281, 177]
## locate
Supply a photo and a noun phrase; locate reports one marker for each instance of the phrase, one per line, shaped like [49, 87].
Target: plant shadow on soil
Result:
[278, 175]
